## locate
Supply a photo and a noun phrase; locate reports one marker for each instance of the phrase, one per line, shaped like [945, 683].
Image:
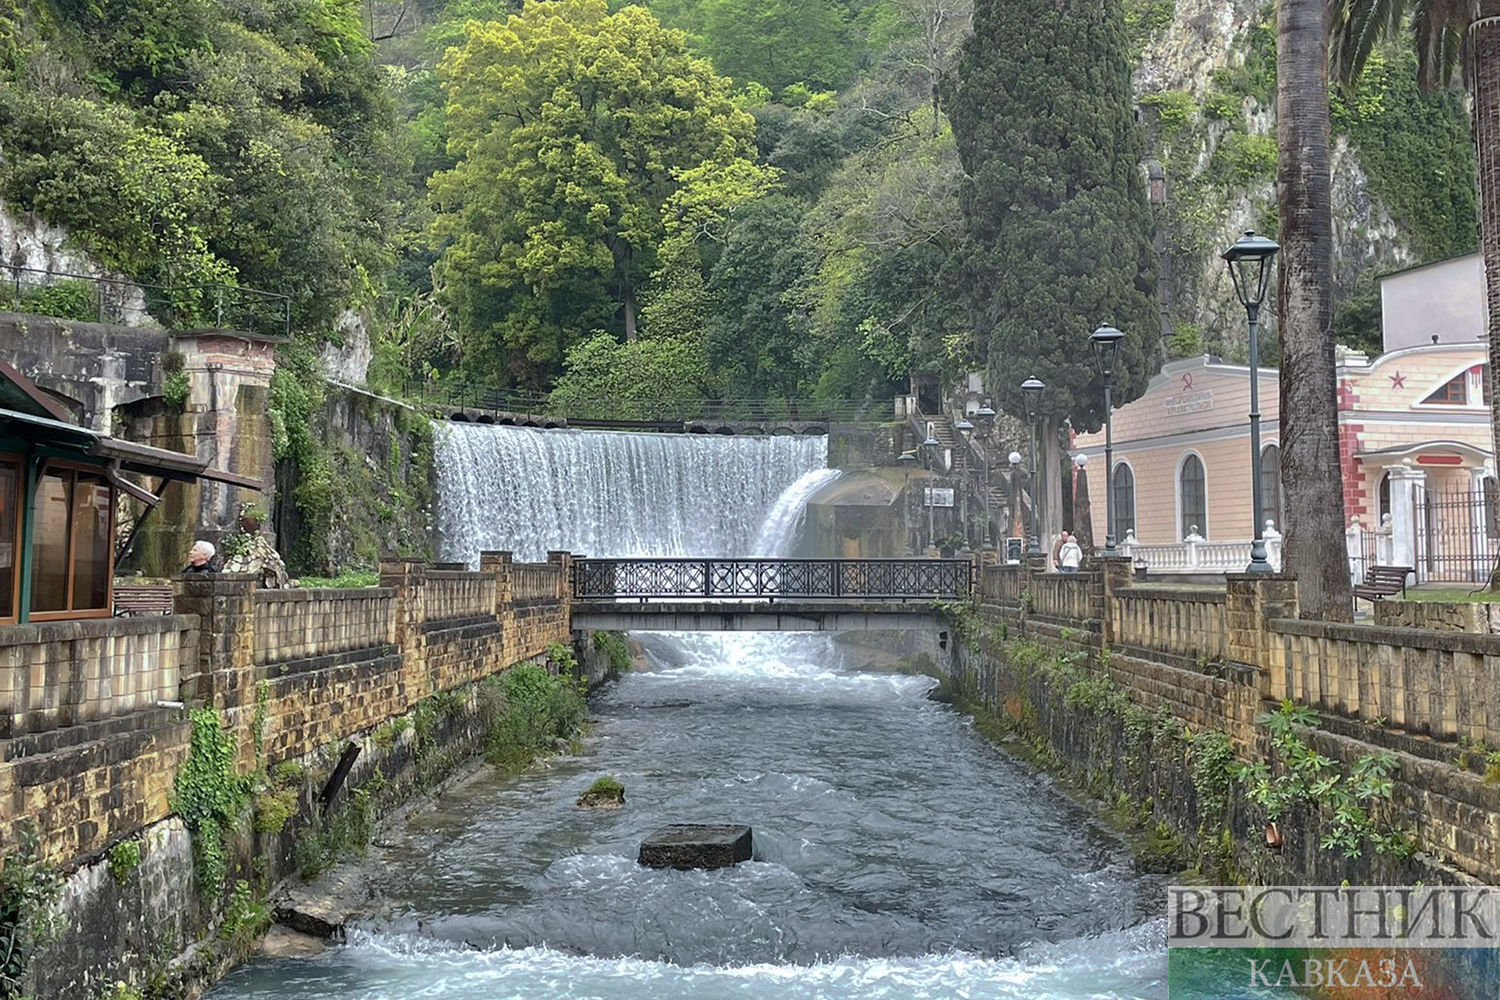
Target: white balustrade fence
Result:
[1196, 554]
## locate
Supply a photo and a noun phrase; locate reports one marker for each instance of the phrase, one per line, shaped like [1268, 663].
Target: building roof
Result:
[23, 404]
[20, 394]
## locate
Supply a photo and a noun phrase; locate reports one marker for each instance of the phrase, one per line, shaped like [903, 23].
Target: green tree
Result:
[635, 380]
[1059, 231]
[573, 130]
[779, 42]
[756, 340]
[883, 234]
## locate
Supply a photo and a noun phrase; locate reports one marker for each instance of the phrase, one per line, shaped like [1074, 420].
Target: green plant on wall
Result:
[1303, 775]
[615, 648]
[124, 859]
[29, 888]
[210, 796]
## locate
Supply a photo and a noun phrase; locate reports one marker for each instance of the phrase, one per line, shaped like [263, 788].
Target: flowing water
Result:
[606, 493]
[897, 853]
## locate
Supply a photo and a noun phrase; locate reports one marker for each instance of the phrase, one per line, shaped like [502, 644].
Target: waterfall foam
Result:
[782, 527]
[610, 493]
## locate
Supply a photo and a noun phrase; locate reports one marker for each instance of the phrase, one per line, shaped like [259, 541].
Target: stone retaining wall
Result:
[1213, 663]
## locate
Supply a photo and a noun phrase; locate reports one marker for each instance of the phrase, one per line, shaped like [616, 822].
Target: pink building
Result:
[1414, 439]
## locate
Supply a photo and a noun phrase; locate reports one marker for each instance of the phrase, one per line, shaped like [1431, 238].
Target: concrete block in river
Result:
[322, 908]
[696, 845]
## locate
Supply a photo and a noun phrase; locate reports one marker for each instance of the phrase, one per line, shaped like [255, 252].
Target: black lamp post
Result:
[1015, 493]
[929, 449]
[907, 460]
[1031, 394]
[966, 483]
[1249, 263]
[1106, 341]
[986, 417]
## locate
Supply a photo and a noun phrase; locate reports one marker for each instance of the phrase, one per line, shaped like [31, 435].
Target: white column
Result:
[1354, 549]
[1383, 553]
[1273, 545]
[1192, 541]
[1405, 478]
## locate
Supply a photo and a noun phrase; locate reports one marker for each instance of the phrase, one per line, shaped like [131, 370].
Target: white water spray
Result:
[607, 493]
[782, 528]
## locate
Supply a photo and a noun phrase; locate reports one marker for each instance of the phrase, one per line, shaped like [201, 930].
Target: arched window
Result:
[1192, 494]
[1385, 496]
[1123, 484]
[1270, 485]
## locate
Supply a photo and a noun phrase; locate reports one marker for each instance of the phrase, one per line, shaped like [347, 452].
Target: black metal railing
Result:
[769, 579]
[659, 410]
[92, 298]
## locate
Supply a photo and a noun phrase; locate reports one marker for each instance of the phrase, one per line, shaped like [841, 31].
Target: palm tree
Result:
[1448, 34]
[1311, 479]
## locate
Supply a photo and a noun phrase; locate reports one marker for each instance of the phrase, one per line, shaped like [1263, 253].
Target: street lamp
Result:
[906, 461]
[929, 449]
[986, 417]
[1106, 341]
[1015, 496]
[1031, 394]
[966, 483]
[1249, 262]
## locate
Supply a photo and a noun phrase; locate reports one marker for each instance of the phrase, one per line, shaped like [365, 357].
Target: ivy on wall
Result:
[350, 503]
[1417, 152]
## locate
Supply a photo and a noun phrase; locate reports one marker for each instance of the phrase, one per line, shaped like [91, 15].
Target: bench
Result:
[1383, 581]
[143, 599]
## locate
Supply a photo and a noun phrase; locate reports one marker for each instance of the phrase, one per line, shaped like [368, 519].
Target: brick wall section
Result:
[1416, 692]
[1067, 596]
[1180, 621]
[294, 624]
[67, 673]
[86, 754]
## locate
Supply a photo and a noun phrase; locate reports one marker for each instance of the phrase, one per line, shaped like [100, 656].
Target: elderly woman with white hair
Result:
[200, 559]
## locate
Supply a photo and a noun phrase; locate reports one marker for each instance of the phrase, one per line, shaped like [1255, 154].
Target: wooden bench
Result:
[143, 599]
[1383, 581]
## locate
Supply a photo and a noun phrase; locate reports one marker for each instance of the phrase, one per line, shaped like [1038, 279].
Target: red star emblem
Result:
[1398, 381]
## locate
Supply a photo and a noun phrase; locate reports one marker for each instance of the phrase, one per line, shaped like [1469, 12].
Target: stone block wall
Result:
[59, 674]
[1215, 663]
[88, 757]
[1445, 616]
[294, 624]
[1180, 621]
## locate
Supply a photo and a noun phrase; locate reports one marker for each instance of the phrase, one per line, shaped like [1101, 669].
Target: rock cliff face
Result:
[1206, 86]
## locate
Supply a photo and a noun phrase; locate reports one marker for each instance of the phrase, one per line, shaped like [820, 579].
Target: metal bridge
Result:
[765, 595]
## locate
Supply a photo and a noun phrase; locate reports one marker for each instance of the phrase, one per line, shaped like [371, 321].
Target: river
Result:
[897, 854]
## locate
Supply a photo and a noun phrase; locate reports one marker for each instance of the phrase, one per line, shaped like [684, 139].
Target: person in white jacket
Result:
[1069, 554]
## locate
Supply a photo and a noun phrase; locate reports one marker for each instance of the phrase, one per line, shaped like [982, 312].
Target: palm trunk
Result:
[1310, 474]
[1484, 49]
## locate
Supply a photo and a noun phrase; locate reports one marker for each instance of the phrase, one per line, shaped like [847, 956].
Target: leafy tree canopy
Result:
[574, 131]
[1059, 228]
[184, 141]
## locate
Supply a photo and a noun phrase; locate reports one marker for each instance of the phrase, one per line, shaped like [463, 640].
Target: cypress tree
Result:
[1059, 229]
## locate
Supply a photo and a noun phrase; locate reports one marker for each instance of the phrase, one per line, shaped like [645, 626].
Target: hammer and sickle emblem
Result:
[1187, 381]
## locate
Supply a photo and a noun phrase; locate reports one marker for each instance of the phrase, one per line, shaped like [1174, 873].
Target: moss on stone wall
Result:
[354, 472]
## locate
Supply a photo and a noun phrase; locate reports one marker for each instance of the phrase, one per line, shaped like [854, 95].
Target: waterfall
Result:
[782, 527]
[610, 493]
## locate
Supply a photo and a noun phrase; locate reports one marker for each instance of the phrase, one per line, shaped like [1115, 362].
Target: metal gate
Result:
[1457, 540]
